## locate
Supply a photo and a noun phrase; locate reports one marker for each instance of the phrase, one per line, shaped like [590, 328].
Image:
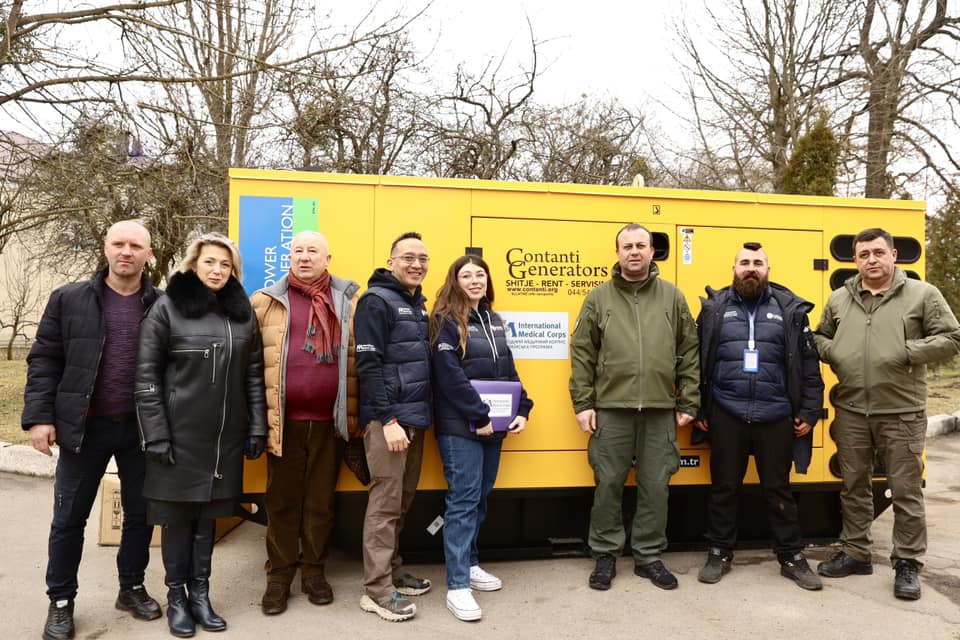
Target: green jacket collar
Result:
[634, 285]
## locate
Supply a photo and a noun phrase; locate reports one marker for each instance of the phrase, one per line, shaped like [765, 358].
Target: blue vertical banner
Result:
[267, 225]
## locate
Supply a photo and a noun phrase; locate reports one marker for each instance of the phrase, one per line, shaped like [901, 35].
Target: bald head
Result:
[310, 237]
[129, 227]
[309, 255]
[127, 249]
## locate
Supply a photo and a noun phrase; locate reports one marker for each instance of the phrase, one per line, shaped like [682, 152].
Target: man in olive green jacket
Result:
[878, 332]
[634, 345]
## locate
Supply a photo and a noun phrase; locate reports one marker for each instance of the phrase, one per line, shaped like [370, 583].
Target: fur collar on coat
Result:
[194, 299]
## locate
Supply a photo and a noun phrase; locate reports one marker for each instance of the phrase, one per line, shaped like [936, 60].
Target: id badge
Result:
[751, 361]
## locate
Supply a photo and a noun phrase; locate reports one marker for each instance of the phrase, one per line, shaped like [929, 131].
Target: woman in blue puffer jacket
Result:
[468, 342]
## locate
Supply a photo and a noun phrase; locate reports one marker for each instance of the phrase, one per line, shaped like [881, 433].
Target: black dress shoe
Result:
[138, 602]
[842, 565]
[59, 624]
[658, 574]
[906, 586]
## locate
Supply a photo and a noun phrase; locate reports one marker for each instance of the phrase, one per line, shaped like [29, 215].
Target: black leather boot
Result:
[199, 585]
[178, 613]
[176, 544]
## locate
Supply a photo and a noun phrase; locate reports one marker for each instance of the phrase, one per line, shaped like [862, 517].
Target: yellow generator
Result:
[547, 246]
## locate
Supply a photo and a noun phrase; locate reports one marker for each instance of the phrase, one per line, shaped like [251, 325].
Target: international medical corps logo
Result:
[537, 335]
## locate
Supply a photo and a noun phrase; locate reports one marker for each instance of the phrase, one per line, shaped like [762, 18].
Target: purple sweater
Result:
[113, 391]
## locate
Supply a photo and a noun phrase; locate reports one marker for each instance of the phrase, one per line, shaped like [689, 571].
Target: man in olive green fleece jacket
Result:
[878, 332]
[633, 347]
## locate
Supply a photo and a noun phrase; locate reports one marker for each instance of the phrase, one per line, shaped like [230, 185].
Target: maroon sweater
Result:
[311, 386]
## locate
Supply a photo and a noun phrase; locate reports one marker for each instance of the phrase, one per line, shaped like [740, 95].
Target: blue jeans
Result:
[75, 489]
[470, 468]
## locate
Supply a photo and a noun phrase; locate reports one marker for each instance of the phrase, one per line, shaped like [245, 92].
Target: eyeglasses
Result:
[408, 259]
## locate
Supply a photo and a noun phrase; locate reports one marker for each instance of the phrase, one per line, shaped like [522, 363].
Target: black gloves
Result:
[254, 446]
[159, 452]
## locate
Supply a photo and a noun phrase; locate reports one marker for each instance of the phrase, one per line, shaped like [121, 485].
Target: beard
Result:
[750, 285]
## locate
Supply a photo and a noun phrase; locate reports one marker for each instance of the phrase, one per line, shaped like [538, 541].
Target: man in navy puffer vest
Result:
[393, 370]
[761, 391]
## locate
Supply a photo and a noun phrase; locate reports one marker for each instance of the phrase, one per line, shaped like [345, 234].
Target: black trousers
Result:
[75, 489]
[732, 441]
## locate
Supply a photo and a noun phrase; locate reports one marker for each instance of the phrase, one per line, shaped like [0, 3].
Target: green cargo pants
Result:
[651, 435]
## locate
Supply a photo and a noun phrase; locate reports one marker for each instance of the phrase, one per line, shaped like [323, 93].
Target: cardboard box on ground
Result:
[111, 515]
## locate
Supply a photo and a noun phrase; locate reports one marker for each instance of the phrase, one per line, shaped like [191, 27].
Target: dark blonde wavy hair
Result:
[453, 302]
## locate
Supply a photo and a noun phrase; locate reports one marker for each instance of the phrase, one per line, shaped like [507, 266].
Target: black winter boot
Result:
[199, 585]
[178, 613]
[176, 544]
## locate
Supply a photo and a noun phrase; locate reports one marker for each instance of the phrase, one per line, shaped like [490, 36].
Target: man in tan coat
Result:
[306, 320]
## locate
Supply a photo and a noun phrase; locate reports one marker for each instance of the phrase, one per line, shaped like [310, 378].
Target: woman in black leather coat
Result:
[200, 405]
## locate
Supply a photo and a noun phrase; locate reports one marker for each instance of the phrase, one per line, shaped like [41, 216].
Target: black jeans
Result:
[731, 442]
[75, 489]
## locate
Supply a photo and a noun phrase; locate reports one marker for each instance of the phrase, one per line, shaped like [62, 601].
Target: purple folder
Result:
[503, 398]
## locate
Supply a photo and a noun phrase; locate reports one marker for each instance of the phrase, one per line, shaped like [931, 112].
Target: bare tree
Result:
[37, 63]
[357, 110]
[236, 52]
[904, 69]
[479, 126]
[102, 177]
[18, 157]
[754, 85]
[588, 142]
[20, 302]
[890, 63]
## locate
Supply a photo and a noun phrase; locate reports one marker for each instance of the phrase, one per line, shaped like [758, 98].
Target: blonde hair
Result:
[192, 255]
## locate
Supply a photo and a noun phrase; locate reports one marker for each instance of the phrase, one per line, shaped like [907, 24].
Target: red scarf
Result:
[323, 328]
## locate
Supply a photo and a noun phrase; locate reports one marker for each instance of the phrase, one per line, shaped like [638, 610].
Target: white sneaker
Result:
[462, 604]
[483, 581]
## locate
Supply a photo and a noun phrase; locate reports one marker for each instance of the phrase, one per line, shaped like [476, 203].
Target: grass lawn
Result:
[13, 375]
[943, 389]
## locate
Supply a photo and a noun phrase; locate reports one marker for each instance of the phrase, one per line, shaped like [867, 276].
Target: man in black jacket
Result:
[761, 393]
[393, 370]
[79, 395]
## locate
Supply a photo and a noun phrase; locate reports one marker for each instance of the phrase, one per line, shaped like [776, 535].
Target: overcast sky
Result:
[606, 48]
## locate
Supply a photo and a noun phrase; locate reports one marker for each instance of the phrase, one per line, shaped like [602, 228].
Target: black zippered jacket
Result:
[199, 385]
[63, 363]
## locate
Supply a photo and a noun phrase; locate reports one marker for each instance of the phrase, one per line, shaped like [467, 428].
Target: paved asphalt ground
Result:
[540, 599]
